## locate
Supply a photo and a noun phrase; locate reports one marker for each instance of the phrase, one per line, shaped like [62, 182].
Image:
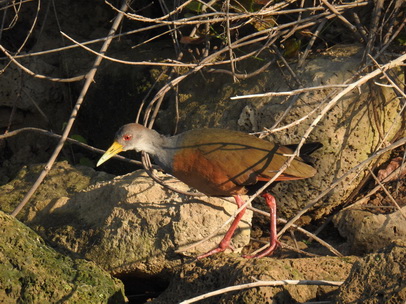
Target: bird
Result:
[217, 162]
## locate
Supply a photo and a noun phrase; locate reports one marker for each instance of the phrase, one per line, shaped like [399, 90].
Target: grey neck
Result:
[163, 150]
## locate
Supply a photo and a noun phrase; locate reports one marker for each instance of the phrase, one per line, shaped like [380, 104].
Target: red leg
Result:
[225, 242]
[270, 201]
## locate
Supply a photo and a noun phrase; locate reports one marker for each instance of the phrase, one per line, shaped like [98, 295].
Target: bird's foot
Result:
[211, 252]
[222, 247]
[264, 253]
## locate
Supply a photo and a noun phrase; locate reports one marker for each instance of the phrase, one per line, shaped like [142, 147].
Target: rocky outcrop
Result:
[377, 278]
[129, 224]
[32, 272]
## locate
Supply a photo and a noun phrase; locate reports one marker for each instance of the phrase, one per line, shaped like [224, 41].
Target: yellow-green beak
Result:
[114, 149]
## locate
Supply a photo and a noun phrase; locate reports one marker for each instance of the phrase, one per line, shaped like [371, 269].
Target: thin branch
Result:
[89, 80]
[245, 75]
[262, 284]
[29, 72]
[246, 40]
[341, 17]
[73, 46]
[311, 43]
[69, 140]
[398, 171]
[26, 37]
[230, 48]
[218, 17]
[314, 201]
[166, 63]
[290, 93]
[378, 4]
[387, 193]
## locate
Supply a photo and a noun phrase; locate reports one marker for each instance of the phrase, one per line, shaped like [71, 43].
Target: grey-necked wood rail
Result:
[217, 162]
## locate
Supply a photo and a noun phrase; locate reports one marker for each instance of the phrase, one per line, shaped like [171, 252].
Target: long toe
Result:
[211, 252]
[268, 251]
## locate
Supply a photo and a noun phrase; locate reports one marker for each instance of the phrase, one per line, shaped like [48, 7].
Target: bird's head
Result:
[129, 137]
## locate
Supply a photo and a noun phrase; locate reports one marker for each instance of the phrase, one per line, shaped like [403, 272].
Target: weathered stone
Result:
[131, 223]
[207, 275]
[367, 232]
[377, 278]
[32, 272]
[63, 180]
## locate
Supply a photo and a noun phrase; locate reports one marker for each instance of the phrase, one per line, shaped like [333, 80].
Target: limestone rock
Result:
[32, 272]
[218, 272]
[377, 278]
[130, 223]
[63, 180]
[367, 232]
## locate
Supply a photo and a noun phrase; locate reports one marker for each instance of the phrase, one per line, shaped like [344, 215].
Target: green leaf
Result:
[79, 138]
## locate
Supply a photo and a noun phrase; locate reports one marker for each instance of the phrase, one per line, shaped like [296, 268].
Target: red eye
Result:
[127, 137]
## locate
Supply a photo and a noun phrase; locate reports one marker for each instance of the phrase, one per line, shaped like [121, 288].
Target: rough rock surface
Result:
[32, 272]
[131, 223]
[207, 275]
[367, 232]
[63, 180]
[377, 278]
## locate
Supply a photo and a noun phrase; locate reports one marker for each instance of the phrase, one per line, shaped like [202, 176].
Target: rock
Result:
[377, 278]
[131, 223]
[32, 272]
[219, 271]
[63, 180]
[367, 232]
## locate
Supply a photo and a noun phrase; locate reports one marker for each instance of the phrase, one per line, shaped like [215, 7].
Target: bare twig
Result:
[89, 79]
[310, 44]
[314, 201]
[69, 140]
[290, 93]
[376, 188]
[29, 72]
[69, 47]
[230, 48]
[341, 17]
[259, 284]
[374, 27]
[26, 37]
[387, 193]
